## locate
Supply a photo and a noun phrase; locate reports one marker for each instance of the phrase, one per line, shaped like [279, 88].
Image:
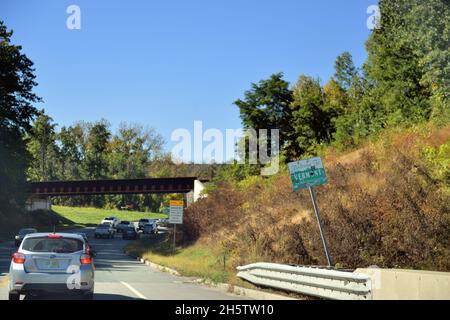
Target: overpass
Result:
[191, 187]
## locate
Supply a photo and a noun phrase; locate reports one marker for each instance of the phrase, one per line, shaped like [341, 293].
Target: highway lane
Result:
[120, 277]
[6, 251]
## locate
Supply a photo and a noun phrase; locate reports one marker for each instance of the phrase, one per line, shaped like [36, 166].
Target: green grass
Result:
[195, 260]
[192, 261]
[93, 216]
[42, 220]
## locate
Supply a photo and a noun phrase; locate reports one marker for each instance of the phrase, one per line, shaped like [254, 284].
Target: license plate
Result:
[52, 264]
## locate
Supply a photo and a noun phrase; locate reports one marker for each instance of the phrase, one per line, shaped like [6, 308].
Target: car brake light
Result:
[85, 259]
[54, 236]
[19, 258]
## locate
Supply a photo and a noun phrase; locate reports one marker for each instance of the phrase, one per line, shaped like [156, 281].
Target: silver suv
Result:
[52, 263]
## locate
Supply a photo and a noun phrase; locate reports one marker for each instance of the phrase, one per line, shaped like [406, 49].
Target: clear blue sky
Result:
[168, 63]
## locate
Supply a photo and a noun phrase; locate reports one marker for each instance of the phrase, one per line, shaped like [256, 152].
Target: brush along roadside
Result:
[202, 264]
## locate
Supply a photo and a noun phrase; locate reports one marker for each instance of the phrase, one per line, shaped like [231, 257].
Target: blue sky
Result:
[168, 63]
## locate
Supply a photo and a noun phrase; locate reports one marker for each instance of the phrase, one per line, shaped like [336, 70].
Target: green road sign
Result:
[307, 173]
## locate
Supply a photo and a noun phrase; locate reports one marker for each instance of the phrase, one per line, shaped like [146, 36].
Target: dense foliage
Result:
[387, 204]
[405, 81]
[383, 131]
[16, 111]
[90, 151]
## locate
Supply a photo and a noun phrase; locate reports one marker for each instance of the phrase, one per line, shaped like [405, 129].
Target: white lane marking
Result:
[137, 293]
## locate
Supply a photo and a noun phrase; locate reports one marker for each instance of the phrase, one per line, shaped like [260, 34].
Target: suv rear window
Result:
[60, 245]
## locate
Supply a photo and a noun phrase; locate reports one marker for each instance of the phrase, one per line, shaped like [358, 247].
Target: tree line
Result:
[404, 81]
[92, 151]
[33, 148]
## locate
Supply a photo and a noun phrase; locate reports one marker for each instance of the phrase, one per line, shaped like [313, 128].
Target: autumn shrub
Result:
[386, 204]
[220, 209]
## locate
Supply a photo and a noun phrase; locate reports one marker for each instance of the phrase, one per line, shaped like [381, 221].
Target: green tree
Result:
[429, 34]
[71, 146]
[95, 148]
[335, 99]
[345, 70]
[351, 107]
[132, 149]
[42, 146]
[311, 121]
[130, 153]
[266, 106]
[17, 81]
[409, 62]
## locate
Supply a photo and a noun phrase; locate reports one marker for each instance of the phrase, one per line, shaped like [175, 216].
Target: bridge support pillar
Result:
[198, 189]
[194, 195]
[188, 198]
[35, 203]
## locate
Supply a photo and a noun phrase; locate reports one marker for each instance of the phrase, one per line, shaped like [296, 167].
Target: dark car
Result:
[22, 233]
[144, 222]
[123, 224]
[130, 233]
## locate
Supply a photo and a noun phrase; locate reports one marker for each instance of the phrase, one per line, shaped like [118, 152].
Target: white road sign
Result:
[176, 212]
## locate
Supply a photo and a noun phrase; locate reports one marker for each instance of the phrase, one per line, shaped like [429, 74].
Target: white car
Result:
[52, 263]
[104, 231]
[111, 220]
[162, 225]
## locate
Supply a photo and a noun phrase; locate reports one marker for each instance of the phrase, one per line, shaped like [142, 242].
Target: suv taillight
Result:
[19, 258]
[85, 259]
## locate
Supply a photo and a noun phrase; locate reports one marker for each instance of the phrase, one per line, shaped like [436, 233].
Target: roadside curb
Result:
[161, 268]
[154, 265]
[245, 292]
[223, 287]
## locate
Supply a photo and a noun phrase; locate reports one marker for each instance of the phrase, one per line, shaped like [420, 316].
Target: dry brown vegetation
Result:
[386, 204]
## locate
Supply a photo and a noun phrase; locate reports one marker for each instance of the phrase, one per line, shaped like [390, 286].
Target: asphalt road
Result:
[120, 277]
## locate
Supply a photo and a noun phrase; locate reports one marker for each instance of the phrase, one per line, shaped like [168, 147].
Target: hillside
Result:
[386, 204]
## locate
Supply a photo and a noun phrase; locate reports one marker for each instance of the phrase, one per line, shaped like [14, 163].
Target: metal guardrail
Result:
[323, 283]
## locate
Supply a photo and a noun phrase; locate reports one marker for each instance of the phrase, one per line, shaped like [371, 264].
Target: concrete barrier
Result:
[398, 284]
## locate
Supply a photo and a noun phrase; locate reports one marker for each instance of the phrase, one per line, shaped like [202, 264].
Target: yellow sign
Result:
[176, 203]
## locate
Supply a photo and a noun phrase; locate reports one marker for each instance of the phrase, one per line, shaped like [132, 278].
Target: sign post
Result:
[306, 174]
[175, 217]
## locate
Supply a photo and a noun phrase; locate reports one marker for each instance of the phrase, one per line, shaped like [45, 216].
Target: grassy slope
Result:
[44, 221]
[93, 216]
[197, 260]
[194, 261]
[66, 218]
[399, 211]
